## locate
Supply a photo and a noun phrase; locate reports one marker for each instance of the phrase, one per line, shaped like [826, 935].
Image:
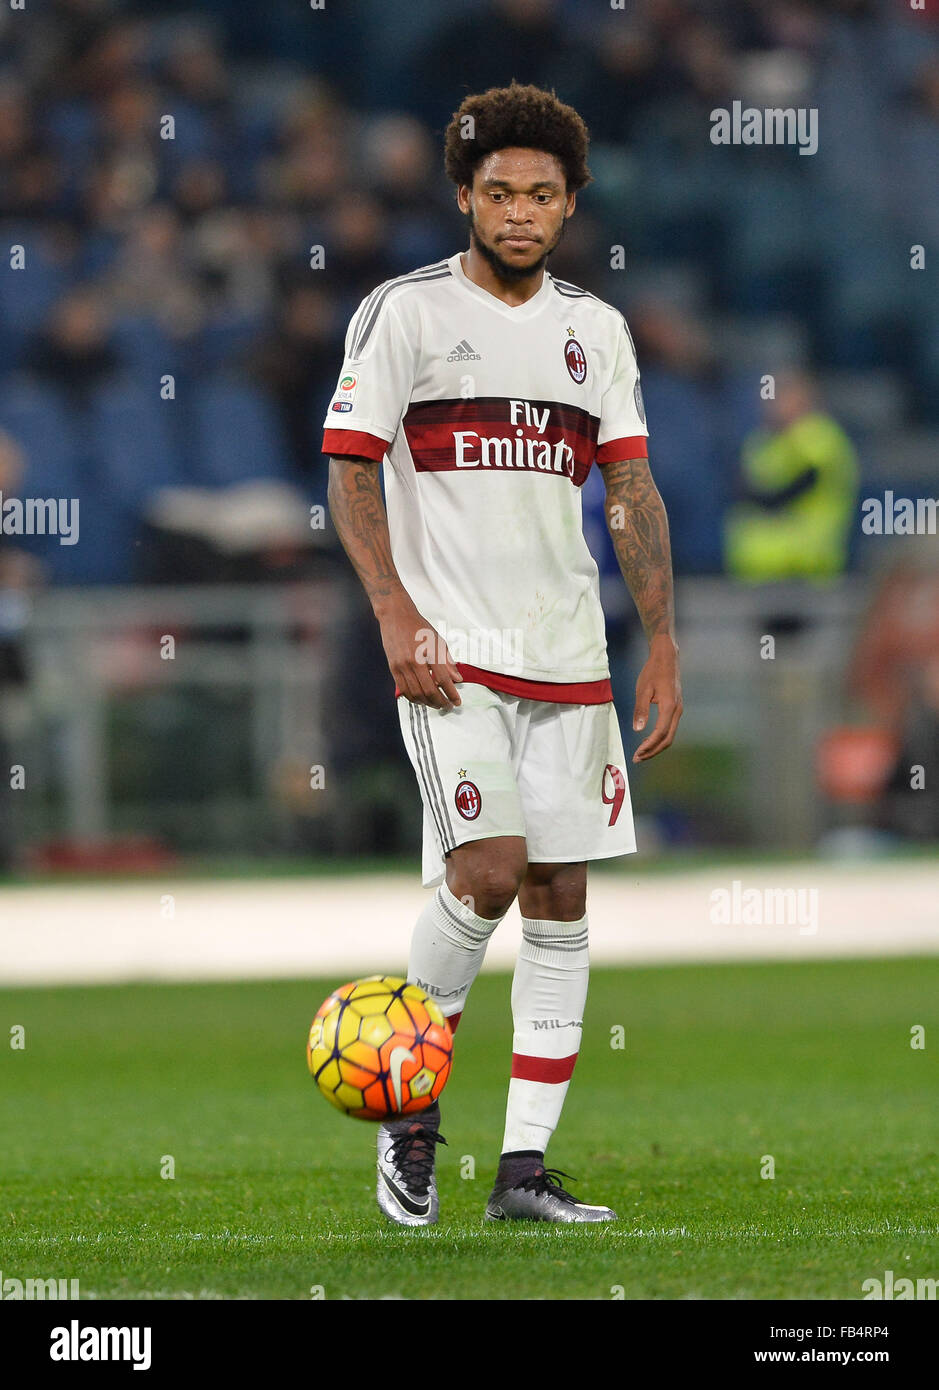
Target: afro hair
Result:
[516, 116]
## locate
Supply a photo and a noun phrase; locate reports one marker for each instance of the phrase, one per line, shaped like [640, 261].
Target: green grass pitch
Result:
[273, 1194]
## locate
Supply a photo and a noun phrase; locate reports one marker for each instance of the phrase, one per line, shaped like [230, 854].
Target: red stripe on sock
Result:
[453, 1020]
[543, 1068]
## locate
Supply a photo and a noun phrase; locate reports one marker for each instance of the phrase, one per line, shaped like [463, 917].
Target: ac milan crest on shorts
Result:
[467, 800]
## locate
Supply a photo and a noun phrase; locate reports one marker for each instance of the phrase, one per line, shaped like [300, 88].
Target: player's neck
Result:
[511, 292]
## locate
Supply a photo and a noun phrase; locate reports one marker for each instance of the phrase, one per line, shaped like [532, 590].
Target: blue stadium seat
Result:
[770, 258]
[135, 447]
[59, 450]
[37, 418]
[105, 550]
[193, 137]
[97, 254]
[686, 461]
[237, 435]
[26, 296]
[146, 348]
[740, 407]
[225, 339]
[72, 129]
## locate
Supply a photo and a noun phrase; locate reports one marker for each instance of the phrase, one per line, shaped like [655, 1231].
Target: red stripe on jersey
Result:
[614, 450]
[511, 430]
[355, 444]
[453, 1020]
[556, 692]
[551, 1069]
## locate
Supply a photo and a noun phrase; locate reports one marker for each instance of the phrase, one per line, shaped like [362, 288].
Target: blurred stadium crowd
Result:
[189, 257]
[169, 345]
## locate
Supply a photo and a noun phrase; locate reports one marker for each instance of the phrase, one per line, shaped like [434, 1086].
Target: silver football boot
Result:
[406, 1185]
[540, 1196]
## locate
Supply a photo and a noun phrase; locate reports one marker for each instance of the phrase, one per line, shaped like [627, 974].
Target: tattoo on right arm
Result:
[358, 513]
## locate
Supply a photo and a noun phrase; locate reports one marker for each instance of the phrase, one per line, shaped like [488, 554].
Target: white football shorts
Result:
[501, 765]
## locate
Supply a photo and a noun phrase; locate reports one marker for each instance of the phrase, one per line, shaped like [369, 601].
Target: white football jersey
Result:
[489, 419]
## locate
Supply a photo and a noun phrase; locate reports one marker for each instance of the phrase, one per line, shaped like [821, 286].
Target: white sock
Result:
[447, 950]
[549, 991]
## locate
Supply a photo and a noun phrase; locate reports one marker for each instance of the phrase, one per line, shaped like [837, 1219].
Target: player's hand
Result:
[658, 684]
[418, 657]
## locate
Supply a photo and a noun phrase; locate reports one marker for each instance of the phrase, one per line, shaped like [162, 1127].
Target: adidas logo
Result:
[463, 352]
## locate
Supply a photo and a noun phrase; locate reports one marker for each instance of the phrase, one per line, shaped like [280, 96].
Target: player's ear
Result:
[571, 203]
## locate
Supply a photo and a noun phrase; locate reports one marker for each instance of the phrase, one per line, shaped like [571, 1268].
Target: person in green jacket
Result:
[800, 480]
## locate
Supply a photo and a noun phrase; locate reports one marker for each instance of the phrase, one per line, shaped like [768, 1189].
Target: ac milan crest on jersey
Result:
[576, 361]
[468, 800]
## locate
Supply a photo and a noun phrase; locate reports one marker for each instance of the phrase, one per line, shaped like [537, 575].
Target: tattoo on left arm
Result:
[638, 527]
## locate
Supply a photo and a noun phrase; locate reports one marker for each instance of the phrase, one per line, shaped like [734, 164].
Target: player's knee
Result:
[567, 903]
[496, 890]
[495, 878]
[555, 894]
